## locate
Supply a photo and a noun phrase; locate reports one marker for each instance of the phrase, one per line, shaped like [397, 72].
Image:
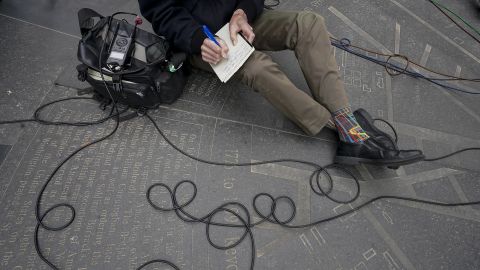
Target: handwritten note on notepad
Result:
[237, 55]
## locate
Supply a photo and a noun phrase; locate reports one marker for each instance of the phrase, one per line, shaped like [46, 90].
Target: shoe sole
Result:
[353, 161]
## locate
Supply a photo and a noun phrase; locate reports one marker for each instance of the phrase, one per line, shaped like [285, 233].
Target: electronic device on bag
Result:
[121, 48]
[139, 68]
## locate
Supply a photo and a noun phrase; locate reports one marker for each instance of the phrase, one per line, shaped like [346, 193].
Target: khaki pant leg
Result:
[262, 74]
[306, 34]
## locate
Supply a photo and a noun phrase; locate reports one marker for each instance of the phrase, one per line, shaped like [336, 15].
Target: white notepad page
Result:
[237, 55]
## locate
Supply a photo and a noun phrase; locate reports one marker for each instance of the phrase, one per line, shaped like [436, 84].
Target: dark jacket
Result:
[180, 21]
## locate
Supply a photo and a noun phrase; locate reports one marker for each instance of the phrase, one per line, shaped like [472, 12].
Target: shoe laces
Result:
[386, 136]
[393, 141]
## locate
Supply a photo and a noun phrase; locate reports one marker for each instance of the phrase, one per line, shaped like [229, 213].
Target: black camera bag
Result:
[154, 75]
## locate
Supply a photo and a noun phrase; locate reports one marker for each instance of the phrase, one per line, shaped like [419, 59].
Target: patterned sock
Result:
[331, 125]
[348, 128]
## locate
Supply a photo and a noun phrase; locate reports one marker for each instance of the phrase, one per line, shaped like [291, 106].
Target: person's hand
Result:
[239, 23]
[212, 53]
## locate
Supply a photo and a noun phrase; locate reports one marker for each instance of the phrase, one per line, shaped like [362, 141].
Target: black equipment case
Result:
[153, 75]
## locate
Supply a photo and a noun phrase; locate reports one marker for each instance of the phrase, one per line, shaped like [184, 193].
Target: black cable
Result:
[17, 121]
[453, 154]
[427, 159]
[272, 5]
[454, 21]
[344, 44]
[37, 119]
[38, 214]
[158, 262]
[184, 215]
[40, 217]
[208, 219]
[271, 216]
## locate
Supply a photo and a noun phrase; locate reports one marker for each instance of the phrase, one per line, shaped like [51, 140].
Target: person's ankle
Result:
[348, 128]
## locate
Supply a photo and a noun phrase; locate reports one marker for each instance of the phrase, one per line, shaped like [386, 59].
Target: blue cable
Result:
[344, 44]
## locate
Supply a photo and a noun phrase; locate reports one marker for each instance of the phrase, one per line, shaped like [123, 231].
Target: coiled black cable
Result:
[271, 216]
[179, 209]
[37, 119]
[39, 216]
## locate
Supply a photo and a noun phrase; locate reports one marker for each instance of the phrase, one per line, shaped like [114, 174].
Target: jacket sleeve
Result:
[253, 8]
[174, 22]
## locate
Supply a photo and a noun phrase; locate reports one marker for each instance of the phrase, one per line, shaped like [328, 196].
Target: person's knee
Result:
[306, 19]
[257, 66]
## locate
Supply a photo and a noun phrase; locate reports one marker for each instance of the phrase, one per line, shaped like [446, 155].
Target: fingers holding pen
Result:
[212, 53]
[223, 48]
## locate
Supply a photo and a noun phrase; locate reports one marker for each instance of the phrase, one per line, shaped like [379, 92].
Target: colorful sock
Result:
[331, 125]
[348, 128]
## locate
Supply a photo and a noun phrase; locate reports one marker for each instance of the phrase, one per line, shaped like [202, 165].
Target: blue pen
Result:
[210, 35]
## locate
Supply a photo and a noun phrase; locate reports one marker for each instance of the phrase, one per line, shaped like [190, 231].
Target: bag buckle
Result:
[172, 68]
[176, 62]
[117, 83]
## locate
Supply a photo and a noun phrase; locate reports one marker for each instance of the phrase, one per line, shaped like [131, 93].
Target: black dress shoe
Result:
[371, 152]
[366, 121]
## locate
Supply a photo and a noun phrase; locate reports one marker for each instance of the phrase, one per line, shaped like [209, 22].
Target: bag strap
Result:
[85, 19]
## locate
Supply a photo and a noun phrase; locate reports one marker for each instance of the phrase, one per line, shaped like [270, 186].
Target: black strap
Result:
[85, 91]
[128, 116]
[117, 82]
[85, 19]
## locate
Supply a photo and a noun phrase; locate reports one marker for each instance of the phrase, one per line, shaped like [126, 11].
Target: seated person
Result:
[303, 32]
